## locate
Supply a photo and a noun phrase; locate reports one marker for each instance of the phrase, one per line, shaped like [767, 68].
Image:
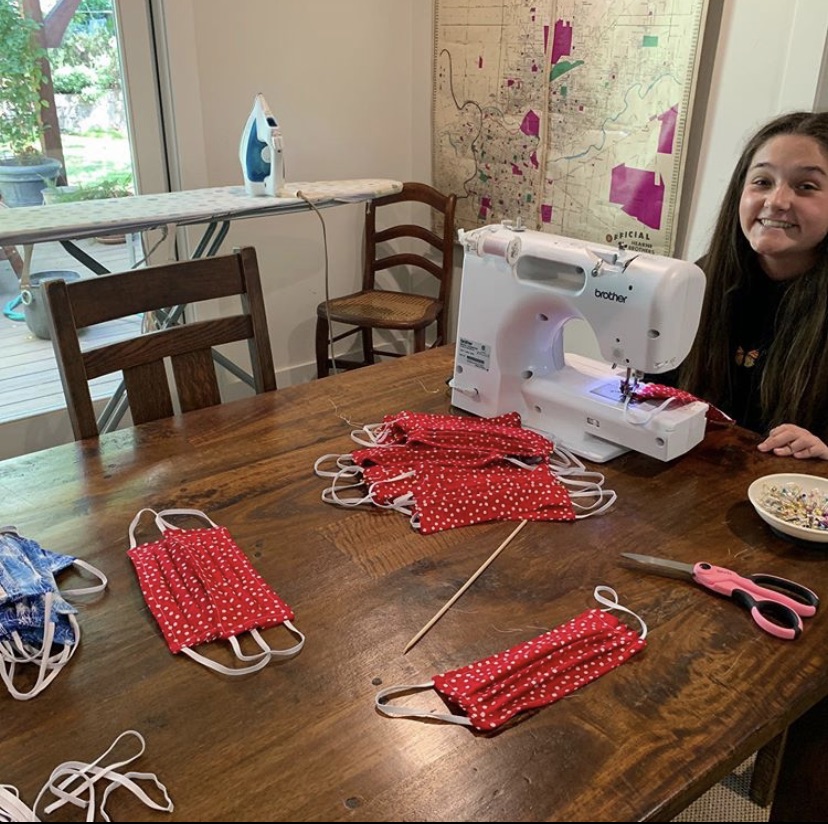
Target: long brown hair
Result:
[794, 387]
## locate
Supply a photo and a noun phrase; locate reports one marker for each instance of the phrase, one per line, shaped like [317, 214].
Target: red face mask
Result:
[657, 391]
[201, 587]
[532, 674]
[448, 471]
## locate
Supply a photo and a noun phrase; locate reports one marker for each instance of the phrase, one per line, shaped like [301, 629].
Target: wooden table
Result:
[301, 740]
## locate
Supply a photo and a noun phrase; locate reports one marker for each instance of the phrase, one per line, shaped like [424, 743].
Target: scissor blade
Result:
[661, 566]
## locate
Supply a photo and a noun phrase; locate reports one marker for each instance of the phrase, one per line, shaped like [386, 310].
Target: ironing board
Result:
[65, 222]
[215, 207]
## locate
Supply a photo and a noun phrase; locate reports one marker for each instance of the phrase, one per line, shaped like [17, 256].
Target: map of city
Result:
[568, 115]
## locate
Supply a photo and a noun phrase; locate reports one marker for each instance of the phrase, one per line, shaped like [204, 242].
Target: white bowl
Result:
[807, 484]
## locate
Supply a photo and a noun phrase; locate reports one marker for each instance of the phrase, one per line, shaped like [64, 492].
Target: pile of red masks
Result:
[447, 471]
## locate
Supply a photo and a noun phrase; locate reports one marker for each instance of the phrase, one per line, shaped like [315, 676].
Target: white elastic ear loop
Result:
[375, 434]
[12, 808]
[613, 604]
[344, 461]
[90, 590]
[608, 496]
[271, 652]
[407, 712]
[331, 495]
[49, 666]
[648, 416]
[163, 524]
[88, 774]
[402, 503]
[566, 462]
[261, 661]
[134, 523]
[580, 486]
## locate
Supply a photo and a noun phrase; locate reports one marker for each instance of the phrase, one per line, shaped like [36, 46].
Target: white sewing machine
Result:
[519, 289]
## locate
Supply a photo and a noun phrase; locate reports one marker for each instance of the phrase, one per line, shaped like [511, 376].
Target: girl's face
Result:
[783, 209]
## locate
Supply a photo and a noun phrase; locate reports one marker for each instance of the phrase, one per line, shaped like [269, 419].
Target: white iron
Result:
[261, 152]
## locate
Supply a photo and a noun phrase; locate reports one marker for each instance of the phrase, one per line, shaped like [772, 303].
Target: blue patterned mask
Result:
[37, 624]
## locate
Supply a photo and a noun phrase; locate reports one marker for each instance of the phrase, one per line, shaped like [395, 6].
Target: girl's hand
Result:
[792, 441]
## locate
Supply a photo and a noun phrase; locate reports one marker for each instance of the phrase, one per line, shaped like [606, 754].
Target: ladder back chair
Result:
[376, 308]
[80, 304]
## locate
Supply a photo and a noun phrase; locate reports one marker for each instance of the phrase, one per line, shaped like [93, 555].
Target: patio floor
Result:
[29, 379]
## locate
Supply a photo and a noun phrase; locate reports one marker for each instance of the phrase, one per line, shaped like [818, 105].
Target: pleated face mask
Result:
[670, 394]
[532, 674]
[447, 471]
[200, 587]
[38, 626]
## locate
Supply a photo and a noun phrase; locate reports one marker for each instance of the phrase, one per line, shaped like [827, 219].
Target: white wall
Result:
[339, 78]
[350, 83]
[768, 61]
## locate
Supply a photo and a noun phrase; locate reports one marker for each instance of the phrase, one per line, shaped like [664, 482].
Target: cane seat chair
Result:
[143, 358]
[421, 249]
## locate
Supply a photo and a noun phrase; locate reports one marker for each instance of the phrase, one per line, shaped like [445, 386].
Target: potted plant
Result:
[113, 185]
[24, 169]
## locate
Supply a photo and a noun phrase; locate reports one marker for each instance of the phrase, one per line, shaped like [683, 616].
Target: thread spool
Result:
[507, 248]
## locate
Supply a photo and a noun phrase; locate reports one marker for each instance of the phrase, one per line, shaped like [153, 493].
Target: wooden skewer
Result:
[463, 588]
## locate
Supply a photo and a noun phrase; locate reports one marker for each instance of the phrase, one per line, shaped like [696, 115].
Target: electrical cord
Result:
[334, 367]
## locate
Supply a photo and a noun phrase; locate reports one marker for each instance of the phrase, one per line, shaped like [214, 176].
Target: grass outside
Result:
[94, 156]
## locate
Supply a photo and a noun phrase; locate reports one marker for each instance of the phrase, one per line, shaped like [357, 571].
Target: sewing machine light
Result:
[517, 294]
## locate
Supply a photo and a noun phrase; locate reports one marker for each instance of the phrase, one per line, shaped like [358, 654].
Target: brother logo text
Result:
[611, 296]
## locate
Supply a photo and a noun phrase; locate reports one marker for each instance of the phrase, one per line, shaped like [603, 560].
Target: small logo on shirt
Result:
[746, 359]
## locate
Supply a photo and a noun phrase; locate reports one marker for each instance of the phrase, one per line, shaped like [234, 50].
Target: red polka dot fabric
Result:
[200, 586]
[459, 471]
[657, 391]
[541, 671]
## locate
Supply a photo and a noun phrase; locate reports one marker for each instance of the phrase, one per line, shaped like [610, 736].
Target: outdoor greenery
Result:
[86, 62]
[21, 78]
[114, 185]
[73, 79]
[95, 154]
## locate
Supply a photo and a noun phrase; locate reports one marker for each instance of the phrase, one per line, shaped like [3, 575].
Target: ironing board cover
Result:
[71, 221]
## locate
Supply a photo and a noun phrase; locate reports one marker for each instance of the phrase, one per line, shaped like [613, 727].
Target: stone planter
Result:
[22, 184]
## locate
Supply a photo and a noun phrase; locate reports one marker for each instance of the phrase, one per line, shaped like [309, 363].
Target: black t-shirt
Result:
[753, 333]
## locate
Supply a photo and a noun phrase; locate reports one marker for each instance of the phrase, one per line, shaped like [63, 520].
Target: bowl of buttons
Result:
[794, 506]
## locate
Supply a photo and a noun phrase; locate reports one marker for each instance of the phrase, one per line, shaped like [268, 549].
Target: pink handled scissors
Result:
[776, 604]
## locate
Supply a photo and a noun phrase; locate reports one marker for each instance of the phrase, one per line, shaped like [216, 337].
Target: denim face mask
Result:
[25, 567]
[38, 626]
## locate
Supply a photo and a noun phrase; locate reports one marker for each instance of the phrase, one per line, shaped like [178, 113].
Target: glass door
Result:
[100, 69]
[102, 65]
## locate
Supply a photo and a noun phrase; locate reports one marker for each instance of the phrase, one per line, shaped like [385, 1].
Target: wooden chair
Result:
[79, 304]
[375, 308]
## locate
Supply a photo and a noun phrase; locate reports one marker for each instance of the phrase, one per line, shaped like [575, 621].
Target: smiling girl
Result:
[761, 352]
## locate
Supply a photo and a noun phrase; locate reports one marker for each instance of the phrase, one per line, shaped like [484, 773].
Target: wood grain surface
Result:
[301, 740]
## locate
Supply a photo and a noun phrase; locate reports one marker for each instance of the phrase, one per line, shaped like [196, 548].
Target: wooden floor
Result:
[29, 380]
